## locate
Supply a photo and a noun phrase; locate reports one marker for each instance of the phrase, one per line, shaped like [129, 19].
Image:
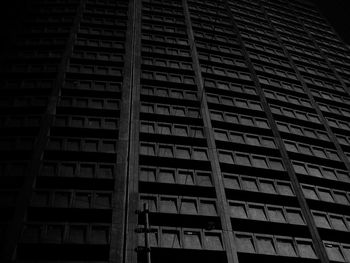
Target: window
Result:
[220, 135]
[334, 252]
[286, 247]
[168, 205]
[193, 113]
[341, 198]
[231, 118]
[321, 220]
[276, 214]
[291, 147]
[285, 189]
[305, 149]
[179, 111]
[247, 121]
[77, 234]
[147, 108]
[299, 168]
[162, 92]
[314, 171]
[237, 138]
[255, 106]
[249, 184]
[67, 169]
[103, 171]
[276, 164]
[231, 181]
[225, 157]
[288, 113]
[333, 155]
[294, 216]
[163, 109]
[310, 192]
[282, 127]
[99, 234]
[310, 133]
[319, 152]
[180, 130]
[171, 238]
[147, 149]
[200, 154]
[305, 249]
[325, 195]
[238, 210]
[197, 132]
[177, 94]
[82, 200]
[188, 206]
[338, 223]
[253, 140]
[166, 176]
[208, 208]
[62, 199]
[259, 162]
[257, 212]
[342, 176]
[183, 152]
[185, 177]
[151, 201]
[245, 243]
[265, 245]
[262, 123]
[267, 142]
[241, 103]
[161, 77]
[147, 127]
[296, 130]
[192, 240]
[242, 159]
[164, 129]
[204, 179]
[267, 187]
[227, 101]
[213, 241]
[216, 116]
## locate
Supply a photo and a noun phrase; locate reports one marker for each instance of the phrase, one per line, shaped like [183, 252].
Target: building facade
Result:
[175, 131]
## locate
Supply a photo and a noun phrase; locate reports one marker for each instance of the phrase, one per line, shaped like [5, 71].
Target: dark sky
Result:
[338, 14]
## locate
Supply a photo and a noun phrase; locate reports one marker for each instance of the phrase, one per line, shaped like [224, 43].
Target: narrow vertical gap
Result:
[131, 194]
[121, 183]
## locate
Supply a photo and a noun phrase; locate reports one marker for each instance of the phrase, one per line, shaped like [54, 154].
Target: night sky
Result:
[338, 14]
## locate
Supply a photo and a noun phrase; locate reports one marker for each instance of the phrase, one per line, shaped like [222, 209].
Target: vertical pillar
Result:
[132, 85]
[231, 251]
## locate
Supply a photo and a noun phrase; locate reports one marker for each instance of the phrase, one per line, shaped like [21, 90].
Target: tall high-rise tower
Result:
[174, 131]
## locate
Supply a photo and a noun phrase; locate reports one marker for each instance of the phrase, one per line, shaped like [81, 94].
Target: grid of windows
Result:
[228, 120]
[175, 176]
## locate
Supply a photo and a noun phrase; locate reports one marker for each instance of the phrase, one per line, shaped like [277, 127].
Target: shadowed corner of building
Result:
[11, 18]
[337, 13]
